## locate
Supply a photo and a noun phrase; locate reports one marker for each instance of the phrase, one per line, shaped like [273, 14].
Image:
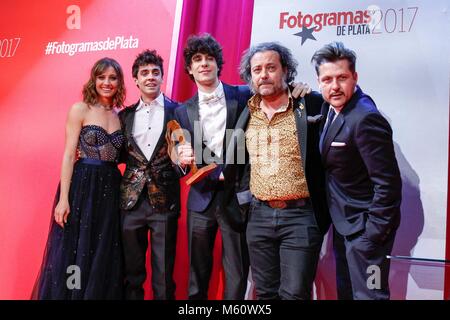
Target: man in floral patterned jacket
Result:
[150, 192]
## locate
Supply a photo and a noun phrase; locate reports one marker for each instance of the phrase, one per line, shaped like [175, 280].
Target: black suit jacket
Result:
[363, 178]
[308, 120]
[157, 173]
[201, 193]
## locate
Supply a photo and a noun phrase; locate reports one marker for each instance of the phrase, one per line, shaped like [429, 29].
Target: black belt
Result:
[286, 204]
[97, 162]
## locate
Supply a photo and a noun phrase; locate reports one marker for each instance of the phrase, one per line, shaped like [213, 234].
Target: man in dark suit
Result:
[150, 185]
[363, 178]
[288, 214]
[212, 202]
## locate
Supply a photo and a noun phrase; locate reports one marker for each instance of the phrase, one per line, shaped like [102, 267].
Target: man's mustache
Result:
[264, 82]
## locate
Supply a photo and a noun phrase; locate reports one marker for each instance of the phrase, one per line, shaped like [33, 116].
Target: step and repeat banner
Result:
[403, 54]
[47, 49]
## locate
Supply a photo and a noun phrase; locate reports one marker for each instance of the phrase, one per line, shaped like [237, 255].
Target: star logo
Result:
[305, 34]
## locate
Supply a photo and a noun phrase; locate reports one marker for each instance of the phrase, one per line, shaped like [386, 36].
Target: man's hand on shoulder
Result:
[300, 89]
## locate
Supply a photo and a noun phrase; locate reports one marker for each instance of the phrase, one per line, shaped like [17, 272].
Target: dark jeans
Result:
[136, 224]
[356, 257]
[202, 230]
[284, 247]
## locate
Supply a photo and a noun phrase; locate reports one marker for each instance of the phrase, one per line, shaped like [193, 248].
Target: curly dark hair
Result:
[205, 44]
[286, 59]
[147, 57]
[333, 52]
[90, 95]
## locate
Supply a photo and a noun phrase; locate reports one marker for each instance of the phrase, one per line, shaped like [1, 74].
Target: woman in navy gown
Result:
[83, 258]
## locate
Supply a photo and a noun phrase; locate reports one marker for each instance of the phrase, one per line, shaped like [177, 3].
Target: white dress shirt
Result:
[213, 117]
[148, 125]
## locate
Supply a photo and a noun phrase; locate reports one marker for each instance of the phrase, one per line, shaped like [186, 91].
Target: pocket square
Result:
[338, 144]
[316, 119]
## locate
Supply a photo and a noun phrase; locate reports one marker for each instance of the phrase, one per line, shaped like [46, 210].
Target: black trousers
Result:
[136, 224]
[362, 269]
[202, 230]
[284, 247]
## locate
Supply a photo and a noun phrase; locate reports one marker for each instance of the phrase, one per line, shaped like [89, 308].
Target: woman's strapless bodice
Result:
[96, 143]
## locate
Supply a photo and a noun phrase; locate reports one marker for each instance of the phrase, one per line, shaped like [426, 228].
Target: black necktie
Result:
[330, 118]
